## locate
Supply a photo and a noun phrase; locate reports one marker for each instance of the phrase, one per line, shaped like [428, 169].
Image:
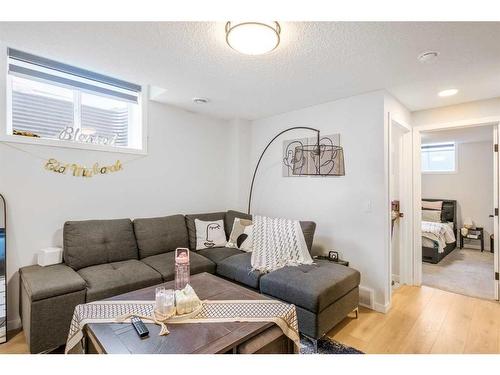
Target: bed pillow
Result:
[241, 235]
[430, 215]
[209, 234]
[427, 205]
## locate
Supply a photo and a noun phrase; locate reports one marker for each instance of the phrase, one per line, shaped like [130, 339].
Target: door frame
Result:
[406, 199]
[417, 188]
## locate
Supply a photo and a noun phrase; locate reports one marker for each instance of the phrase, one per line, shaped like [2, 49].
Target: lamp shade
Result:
[468, 223]
[325, 160]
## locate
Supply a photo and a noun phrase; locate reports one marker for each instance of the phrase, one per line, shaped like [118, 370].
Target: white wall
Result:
[472, 186]
[349, 211]
[459, 112]
[189, 168]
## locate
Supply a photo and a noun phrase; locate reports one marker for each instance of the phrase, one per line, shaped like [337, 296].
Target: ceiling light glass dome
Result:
[253, 38]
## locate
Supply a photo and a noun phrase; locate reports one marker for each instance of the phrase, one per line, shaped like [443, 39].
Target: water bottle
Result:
[181, 268]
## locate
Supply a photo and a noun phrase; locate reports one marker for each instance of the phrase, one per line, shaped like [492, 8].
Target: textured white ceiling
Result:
[315, 62]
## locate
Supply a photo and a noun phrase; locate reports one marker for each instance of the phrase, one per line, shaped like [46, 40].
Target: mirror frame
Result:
[2, 200]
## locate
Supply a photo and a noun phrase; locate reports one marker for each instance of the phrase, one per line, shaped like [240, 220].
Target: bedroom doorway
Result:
[456, 224]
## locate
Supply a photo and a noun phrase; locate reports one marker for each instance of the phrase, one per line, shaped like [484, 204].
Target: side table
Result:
[480, 237]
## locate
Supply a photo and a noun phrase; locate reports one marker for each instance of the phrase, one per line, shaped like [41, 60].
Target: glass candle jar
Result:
[165, 301]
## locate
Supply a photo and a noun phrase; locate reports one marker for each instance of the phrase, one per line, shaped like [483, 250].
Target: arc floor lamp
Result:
[314, 155]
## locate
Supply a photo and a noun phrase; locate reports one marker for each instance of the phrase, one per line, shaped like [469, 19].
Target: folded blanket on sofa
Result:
[278, 243]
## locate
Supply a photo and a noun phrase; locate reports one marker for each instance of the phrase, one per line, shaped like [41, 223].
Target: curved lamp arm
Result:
[263, 152]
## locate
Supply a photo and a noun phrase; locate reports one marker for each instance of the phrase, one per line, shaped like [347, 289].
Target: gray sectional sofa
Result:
[104, 258]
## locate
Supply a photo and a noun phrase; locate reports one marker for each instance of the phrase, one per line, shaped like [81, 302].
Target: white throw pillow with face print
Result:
[209, 234]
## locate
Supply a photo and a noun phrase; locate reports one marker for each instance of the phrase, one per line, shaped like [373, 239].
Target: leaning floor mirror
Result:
[3, 284]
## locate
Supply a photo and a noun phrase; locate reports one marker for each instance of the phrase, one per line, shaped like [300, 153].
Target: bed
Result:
[434, 249]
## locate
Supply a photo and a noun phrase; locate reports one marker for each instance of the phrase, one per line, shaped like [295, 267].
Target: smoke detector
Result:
[200, 100]
[427, 56]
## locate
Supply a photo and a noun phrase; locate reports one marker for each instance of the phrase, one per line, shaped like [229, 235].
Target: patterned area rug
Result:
[326, 346]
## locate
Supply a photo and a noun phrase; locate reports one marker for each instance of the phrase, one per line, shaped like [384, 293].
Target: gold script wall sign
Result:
[78, 170]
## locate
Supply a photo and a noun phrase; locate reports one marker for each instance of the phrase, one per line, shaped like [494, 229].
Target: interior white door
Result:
[496, 222]
[400, 190]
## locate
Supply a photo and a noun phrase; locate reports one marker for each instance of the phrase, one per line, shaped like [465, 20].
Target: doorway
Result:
[455, 197]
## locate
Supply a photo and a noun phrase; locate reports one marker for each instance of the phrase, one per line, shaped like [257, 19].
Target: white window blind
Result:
[47, 97]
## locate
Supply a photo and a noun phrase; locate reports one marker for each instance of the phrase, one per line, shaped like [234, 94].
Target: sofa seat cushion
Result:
[313, 287]
[160, 234]
[165, 264]
[110, 279]
[50, 281]
[218, 254]
[239, 268]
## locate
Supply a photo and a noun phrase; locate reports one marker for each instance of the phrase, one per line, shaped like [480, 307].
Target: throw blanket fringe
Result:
[280, 313]
[278, 243]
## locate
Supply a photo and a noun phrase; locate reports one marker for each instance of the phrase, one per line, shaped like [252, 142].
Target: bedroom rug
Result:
[463, 271]
[326, 346]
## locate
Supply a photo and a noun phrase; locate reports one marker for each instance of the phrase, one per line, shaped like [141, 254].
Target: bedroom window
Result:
[56, 104]
[439, 158]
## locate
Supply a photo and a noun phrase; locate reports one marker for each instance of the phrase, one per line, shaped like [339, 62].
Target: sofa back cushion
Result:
[91, 242]
[191, 227]
[308, 228]
[160, 234]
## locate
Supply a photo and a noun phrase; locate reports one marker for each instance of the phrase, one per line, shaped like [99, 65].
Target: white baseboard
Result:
[13, 324]
[395, 278]
[381, 308]
[367, 299]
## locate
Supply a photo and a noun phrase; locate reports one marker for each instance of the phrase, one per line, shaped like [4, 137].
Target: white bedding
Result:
[440, 233]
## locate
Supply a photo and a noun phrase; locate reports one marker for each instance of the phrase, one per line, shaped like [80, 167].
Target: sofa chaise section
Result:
[323, 293]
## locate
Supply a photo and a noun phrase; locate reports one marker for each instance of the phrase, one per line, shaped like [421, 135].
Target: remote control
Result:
[139, 326]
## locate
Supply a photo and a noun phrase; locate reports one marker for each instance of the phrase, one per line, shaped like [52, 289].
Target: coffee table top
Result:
[114, 338]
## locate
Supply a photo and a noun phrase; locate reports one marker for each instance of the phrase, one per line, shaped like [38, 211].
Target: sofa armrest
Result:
[46, 282]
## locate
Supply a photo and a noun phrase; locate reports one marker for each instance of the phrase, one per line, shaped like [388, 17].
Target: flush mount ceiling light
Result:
[253, 38]
[427, 56]
[449, 92]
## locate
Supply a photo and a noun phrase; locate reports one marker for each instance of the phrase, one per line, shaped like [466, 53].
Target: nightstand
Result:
[480, 237]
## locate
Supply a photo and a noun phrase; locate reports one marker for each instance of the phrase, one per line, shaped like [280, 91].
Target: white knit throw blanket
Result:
[278, 243]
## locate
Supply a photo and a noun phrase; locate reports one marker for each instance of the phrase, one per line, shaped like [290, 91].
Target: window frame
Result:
[456, 150]
[6, 123]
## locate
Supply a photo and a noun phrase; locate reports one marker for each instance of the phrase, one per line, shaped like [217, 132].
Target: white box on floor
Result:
[49, 256]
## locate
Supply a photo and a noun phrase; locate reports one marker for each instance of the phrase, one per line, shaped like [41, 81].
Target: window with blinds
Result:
[439, 158]
[56, 101]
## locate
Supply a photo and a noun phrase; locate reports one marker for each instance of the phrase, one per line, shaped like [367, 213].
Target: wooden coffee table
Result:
[210, 338]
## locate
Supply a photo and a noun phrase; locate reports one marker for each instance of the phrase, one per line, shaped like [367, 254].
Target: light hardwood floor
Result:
[425, 320]
[421, 320]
